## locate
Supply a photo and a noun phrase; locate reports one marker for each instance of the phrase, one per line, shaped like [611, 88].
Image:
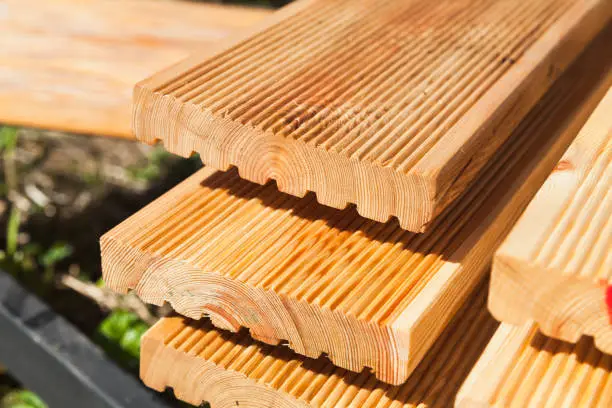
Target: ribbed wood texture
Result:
[558, 257]
[72, 64]
[385, 104]
[523, 368]
[231, 370]
[329, 281]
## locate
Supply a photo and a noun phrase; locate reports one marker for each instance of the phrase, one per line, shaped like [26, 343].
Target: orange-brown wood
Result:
[391, 105]
[329, 281]
[558, 258]
[521, 367]
[72, 64]
[231, 370]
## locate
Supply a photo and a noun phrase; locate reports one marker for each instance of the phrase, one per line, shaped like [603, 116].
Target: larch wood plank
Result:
[558, 257]
[388, 105]
[202, 363]
[521, 367]
[329, 281]
[71, 65]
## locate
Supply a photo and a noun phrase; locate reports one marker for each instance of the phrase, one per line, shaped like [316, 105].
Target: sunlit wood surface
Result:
[330, 281]
[201, 363]
[558, 258]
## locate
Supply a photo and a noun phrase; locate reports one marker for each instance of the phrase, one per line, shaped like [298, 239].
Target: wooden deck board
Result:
[558, 257]
[387, 105]
[231, 370]
[329, 281]
[71, 65]
[523, 368]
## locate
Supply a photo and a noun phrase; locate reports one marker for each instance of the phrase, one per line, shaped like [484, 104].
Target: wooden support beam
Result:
[558, 257]
[329, 281]
[231, 370]
[71, 65]
[393, 106]
[523, 368]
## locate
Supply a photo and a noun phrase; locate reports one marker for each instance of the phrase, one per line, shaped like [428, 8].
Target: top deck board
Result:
[558, 257]
[383, 104]
[71, 65]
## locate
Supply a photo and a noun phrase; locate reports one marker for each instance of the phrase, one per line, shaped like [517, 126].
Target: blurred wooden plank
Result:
[521, 367]
[201, 363]
[72, 64]
[558, 257]
[393, 106]
[329, 281]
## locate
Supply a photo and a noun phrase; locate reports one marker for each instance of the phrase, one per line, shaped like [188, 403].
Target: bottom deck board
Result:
[230, 370]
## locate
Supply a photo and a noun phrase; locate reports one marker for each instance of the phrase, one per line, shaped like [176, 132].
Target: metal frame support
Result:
[51, 357]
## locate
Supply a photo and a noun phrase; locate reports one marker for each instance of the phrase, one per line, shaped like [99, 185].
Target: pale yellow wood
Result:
[558, 257]
[72, 64]
[329, 281]
[523, 368]
[391, 105]
[201, 363]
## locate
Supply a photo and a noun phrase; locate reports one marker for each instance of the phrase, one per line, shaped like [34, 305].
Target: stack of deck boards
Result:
[447, 116]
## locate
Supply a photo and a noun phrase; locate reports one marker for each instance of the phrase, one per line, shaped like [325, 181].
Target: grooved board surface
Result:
[329, 281]
[523, 368]
[384, 104]
[204, 364]
[559, 255]
[72, 64]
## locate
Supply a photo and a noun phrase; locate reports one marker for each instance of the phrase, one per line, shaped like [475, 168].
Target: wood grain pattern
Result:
[384, 104]
[558, 257]
[231, 370]
[329, 281]
[72, 64]
[521, 367]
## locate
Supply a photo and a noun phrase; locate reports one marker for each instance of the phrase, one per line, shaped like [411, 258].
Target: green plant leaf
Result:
[130, 342]
[119, 335]
[117, 324]
[32, 248]
[22, 399]
[159, 155]
[12, 231]
[58, 252]
[8, 138]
